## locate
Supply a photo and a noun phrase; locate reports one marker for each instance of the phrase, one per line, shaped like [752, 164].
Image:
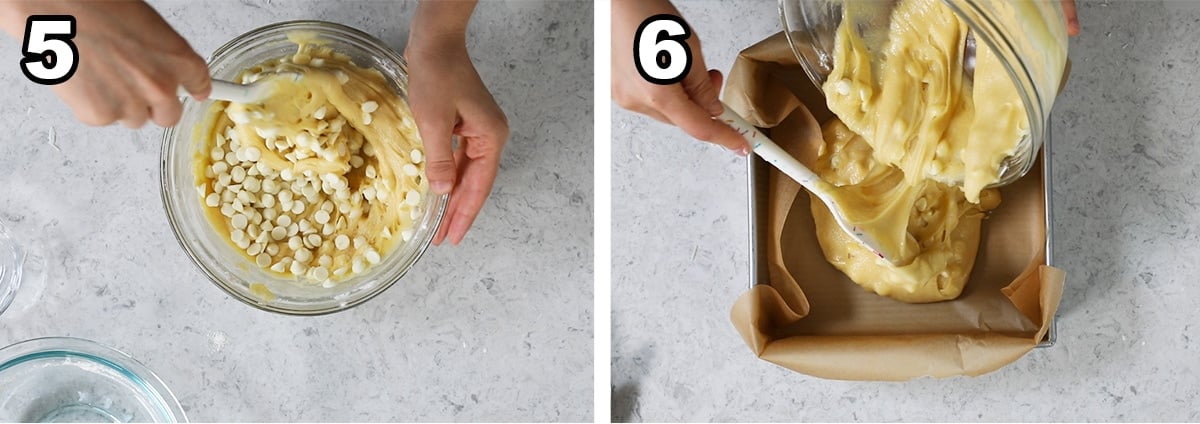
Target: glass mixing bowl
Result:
[12, 258]
[1029, 36]
[228, 268]
[76, 380]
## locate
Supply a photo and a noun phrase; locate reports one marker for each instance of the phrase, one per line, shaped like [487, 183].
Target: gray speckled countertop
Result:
[1125, 150]
[499, 328]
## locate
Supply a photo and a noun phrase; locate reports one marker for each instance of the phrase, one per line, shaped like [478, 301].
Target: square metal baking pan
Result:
[757, 170]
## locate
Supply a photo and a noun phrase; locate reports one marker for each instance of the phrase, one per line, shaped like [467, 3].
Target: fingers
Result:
[166, 112]
[135, 116]
[475, 185]
[193, 76]
[698, 123]
[159, 96]
[700, 86]
[482, 140]
[452, 205]
[1072, 17]
[436, 130]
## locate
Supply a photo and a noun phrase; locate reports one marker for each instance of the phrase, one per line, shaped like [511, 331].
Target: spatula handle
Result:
[225, 90]
[771, 152]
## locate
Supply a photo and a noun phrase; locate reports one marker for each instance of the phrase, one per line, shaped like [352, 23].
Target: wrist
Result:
[442, 22]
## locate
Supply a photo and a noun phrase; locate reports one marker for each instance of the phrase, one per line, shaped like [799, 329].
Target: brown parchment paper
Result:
[813, 319]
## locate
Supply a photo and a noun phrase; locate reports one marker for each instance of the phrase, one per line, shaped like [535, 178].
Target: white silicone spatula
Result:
[242, 93]
[776, 156]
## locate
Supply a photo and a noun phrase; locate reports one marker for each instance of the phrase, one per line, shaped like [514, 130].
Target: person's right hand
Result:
[690, 104]
[130, 61]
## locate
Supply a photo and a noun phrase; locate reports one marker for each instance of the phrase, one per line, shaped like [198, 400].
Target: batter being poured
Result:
[914, 146]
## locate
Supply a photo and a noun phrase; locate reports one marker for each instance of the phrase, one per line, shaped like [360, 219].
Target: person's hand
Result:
[1072, 17]
[449, 99]
[130, 61]
[689, 104]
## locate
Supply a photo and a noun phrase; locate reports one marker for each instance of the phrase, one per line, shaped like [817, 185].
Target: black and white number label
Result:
[660, 49]
[50, 57]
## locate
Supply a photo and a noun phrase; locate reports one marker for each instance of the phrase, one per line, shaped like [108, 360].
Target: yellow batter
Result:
[907, 96]
[320, 180]
[914, 147]
[935, 217]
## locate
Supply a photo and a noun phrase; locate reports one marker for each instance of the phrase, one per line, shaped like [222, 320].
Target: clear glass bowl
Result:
[76, 380]
[1029, 36]
[230, 269]
[12, 259]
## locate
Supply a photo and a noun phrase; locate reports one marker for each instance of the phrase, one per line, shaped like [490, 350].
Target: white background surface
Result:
[1125, 148]
[498, 328]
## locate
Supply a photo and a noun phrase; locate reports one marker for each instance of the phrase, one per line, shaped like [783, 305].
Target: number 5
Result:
[50, 56]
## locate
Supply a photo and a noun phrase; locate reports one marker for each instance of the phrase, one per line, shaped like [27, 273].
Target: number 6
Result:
[50, 56]
[662, 59]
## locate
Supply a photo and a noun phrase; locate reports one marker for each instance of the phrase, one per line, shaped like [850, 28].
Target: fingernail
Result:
[441, 187]
[743, 152]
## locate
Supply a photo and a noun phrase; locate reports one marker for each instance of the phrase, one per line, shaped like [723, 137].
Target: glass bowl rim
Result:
[438, 205]
[126, 365]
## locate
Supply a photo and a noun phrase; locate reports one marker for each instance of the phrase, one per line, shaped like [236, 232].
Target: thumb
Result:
[436, 135]
[193, 75]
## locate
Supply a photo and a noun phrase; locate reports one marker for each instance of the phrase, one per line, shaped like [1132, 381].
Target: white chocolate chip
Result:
[298, 268]
[239, 221]
[412, 197]
[303, 255]
[278, 233]
[321, 216]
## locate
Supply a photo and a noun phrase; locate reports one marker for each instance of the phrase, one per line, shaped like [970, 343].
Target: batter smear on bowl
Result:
[322, 179]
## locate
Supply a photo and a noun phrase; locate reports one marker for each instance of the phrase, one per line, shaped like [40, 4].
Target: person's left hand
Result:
[1072, 17]
[449, 99]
